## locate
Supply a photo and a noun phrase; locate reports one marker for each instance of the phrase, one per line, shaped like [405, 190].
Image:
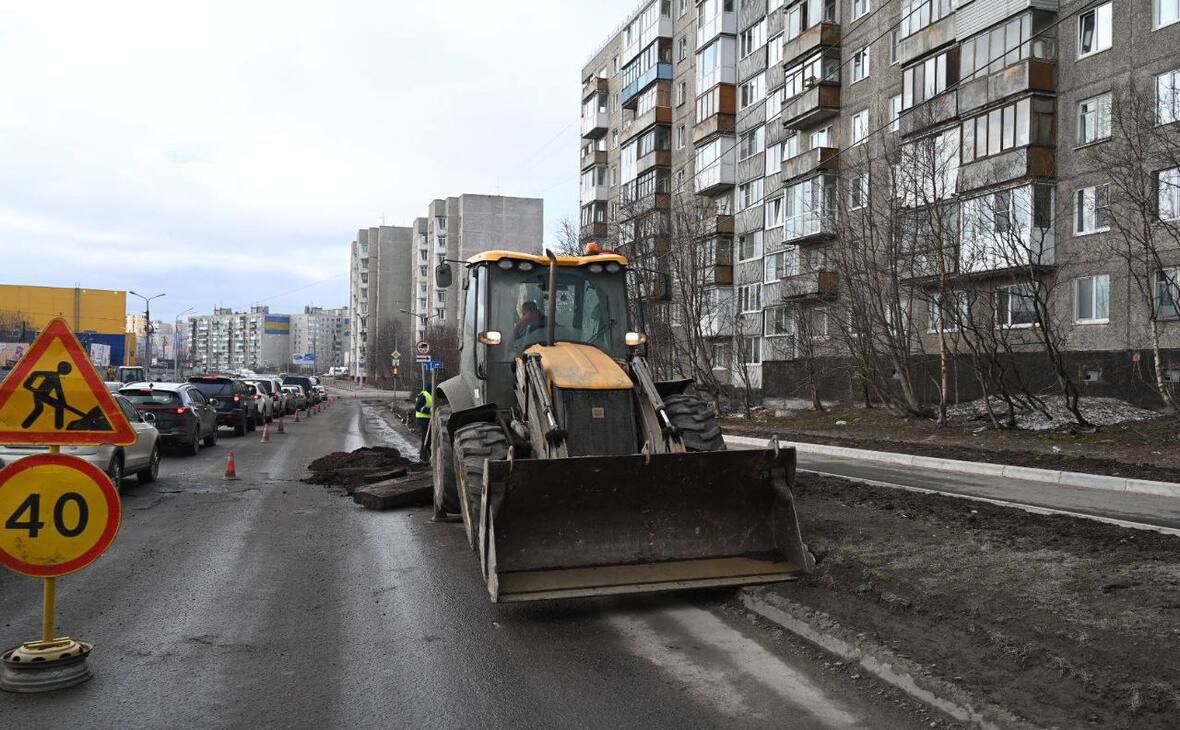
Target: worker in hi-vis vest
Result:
[422, 412]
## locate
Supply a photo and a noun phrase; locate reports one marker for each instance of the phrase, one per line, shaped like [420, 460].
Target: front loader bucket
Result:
[601, 525]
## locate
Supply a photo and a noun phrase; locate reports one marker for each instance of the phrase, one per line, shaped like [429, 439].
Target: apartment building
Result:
[394, 301]
[324, 334]
[227, 340]
[379, 294]
[788, 118]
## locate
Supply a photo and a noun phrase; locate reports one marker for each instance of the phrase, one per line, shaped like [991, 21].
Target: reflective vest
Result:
[429, 405]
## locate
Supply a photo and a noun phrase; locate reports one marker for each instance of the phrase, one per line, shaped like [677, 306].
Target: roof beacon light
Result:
[592, 249]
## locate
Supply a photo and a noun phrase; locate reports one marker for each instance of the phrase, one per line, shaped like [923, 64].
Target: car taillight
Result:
[181, 411]
[257, 397]
[237, 398]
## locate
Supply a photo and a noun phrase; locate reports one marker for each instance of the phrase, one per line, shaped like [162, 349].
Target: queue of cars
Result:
[185, 416]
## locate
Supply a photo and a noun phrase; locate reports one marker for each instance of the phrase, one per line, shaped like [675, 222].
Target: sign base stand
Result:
[45, 666]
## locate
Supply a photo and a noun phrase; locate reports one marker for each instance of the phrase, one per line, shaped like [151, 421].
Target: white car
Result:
[262, 399]
[141, 459]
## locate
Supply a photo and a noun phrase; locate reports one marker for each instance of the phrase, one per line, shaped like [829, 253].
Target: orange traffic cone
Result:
[231, 469]
[266, 433]
[281, 429]
[296, 415]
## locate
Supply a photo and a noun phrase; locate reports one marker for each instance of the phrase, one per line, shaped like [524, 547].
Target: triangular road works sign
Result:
[54, 396]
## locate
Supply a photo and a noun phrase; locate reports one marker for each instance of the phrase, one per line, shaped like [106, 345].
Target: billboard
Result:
[277, 324]
[303, 358]
[10, 352]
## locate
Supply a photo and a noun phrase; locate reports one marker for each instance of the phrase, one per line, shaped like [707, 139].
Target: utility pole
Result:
[147, 327]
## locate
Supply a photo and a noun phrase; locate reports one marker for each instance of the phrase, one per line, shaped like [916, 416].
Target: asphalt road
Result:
[269, 602]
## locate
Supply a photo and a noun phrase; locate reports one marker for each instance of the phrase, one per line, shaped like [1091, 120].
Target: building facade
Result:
[801, 128]
[322, 333]
[97, 317]
[394, 301]
[226, 340]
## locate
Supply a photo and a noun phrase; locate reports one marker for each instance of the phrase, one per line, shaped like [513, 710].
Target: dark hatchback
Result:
[183, 415]
[306, 384]
[232, 400]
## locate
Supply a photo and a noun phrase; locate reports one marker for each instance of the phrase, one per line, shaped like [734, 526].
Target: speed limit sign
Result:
[57, 515]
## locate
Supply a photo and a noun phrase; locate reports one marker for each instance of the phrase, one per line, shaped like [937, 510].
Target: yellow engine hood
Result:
[583, 367]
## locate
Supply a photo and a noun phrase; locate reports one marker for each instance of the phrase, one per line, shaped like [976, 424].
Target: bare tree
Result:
[1138, 203]
[567, 238]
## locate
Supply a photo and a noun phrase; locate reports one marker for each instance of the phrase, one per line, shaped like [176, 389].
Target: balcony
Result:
[644, 205]
[1028, 75]
[717, 177]
[1020, 163]
[710, 28]
[660, 71]
[717, 124]
[595, 125]
[808, 228]
[655, 158]
[718, 224]
[813, 160]
[653, 116]
[593, 157]
[813, 106]
[935, 35]
[595, 193]
[594, 86]
[717, 274]
[593, 231]
[810, 40]
[919, 118]
[811, 286]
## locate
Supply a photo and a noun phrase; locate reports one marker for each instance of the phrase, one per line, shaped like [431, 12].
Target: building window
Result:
[680, 137]
[917, 14]
[750, 298]
[926, 80]
[1091, 299]
[895, 113]
[749, 194]
[1091, 210]
[683, 53]
[1168, 182]
[860, 65]
[774, 212]
[802, 16]
[1016, 306]
[750, 246]
[893, 58]
[858, 194]
[751, 143]
[820, 138]
[1094, 119]
[860, 7]
[774, 50]
[1167, 293]
[955, 305]
[753, 91]
[1167, 101]
[752, 39]
[777, 322]
[750, 348]
[1095, 30]
[780, 265]
[1166, 13]
[683, 8]
[1026, 122]
[860, 126]
[681, 93]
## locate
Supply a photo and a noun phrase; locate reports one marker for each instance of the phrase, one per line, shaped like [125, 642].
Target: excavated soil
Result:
[362, 466]
[992, 455]
[1066, 622]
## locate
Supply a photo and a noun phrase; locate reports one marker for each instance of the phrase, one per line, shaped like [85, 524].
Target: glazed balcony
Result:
[1017, 164]
[810, 286]
[593, 157]
[594, 86]
[595, 194]
[655, 158]
[940, 109]
[810, 40]
[593, 231]
[717, 177]
[713, 126]
[819, 159]
[595, 125]
[718, 224]
[936, 35]
[647, 120]
[658, 72]
[813, 106]
[1028, 75]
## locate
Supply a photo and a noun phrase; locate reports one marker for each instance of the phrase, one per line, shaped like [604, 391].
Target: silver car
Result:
[141, 459]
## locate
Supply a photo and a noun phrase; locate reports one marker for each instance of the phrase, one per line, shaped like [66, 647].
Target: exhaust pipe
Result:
[551, 307]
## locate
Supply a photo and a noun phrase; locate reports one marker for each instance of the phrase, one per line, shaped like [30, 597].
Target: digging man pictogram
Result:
[45, 385]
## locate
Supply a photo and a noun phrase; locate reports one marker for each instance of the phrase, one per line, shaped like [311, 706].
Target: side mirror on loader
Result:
[442, 275]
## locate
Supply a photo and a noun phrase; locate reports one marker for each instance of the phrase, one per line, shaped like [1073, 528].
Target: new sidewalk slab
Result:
[1108, 498]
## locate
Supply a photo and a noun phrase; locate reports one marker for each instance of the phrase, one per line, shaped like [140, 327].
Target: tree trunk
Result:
[1162, 385]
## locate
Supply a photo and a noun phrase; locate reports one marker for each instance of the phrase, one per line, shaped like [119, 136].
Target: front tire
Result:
[696, 422]
[152, 472]
[115, 472]
[475, 444]
[442, 463]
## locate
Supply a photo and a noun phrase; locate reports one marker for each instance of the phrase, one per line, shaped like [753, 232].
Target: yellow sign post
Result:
[57, 513]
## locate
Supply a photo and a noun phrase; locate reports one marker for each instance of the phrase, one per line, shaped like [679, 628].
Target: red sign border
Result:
[122, 435]
[114, 509]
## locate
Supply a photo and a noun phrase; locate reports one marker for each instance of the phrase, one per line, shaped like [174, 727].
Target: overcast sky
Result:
[226, 152]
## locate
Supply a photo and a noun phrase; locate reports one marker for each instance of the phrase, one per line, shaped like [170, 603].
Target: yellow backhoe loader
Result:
[574, 471]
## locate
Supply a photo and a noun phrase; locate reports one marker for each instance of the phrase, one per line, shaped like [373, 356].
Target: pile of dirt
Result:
[1056, 461]
[1063, 621]
[363, 466]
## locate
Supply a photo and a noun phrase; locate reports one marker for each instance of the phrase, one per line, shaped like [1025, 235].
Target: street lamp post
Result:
[176, 343]
[425, 318]
[147, 328]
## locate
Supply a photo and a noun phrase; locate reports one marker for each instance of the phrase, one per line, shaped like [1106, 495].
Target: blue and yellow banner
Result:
[277, 325]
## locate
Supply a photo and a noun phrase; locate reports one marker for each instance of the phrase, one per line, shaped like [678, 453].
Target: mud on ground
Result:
[1063, 621]
[361, 466]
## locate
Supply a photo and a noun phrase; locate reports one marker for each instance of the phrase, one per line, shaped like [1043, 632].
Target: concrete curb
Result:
[980, 468]
[821, 630]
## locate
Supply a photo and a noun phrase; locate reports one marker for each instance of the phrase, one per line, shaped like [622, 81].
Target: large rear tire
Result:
[442, 463]
[696, 422]
[476, 443]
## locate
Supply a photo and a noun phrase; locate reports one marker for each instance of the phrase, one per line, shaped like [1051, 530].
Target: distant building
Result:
[228, 340]
[393, 300]
[97, 317]
[322, 333]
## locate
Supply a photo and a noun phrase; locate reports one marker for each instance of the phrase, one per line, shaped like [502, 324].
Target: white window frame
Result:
[1099, 112]
[757, 253]
[1103, 23]
[1093, 318]
[934, 311]
[895, 113]
[1087, 214]
[862, 64]
[864, 7]
[750, 298]
[1007, 323]
[1171, 189]
[772, 314]
[1167, 97]
[774, 213]
[859, 122]
[1156, 7]
[681, 137]
[1168, 277]
[755, 348]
